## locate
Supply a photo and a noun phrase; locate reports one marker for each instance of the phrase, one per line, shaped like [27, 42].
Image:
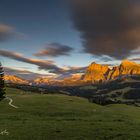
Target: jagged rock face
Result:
[124, 69]
[15, 79]
[96, 72]
[40, 81]
[115, 72]
[129, 68]
[69, 80]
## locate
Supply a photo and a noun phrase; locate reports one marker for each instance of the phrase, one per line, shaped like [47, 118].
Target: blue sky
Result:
[37, 23]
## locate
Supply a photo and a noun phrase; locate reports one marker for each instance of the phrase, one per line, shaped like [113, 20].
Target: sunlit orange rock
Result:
[126, 68]
[129, 68]
[40, 81]
[96, 72]
[115, 72]
[100, 73]
[15, 79]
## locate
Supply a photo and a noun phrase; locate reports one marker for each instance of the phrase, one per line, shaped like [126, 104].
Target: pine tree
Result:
[2, 89]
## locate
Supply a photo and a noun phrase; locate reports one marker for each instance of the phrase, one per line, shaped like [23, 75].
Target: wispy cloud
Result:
[25, 74]
[54, 50]
[73, 70]
[42, 64]
[5, 32]
[135, 59]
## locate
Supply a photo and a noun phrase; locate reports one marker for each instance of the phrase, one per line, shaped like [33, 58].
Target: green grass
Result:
[88, 87]
[61, 117]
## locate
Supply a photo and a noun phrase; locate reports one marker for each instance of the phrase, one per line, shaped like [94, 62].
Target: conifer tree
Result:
[2, 89]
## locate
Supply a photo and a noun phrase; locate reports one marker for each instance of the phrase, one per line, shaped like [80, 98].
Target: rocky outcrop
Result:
[15, 79]
[41, 81]
[126, 68]
[68, 80]
[129, 68]
[96, 73]
[115, 72]
[100, 73]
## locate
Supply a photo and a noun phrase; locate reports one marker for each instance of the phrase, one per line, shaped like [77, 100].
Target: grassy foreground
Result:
[60, 117]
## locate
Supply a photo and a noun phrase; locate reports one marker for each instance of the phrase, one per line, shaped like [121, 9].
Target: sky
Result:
[63, 36]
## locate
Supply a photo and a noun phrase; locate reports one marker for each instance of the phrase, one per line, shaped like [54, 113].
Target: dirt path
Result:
[65, 92]
[10, 102]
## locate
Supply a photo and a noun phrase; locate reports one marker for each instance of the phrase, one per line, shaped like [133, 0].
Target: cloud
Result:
[136, 51]
[135, 59]
[74, 70]
[105, 59]
[28, 75]
[5, 32]
[42, 64]
[70, 71]
[12, 71]
[25, 74]
[55, 50]
[108, 27]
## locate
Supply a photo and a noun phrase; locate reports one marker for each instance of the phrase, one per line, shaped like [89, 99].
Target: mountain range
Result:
[101, 73]
[15, 79]
[95, 73]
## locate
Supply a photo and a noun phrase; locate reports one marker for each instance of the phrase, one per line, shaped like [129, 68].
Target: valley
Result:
[99, 84]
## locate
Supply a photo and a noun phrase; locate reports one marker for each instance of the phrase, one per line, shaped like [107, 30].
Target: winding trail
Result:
[64, 92]
[10, 102]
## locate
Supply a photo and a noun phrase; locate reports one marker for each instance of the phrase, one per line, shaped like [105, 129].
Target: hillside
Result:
[60, 117]
[126, 90]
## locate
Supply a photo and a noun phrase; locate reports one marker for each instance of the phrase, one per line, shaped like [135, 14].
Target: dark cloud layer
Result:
[5, 32]
[42, 64]
[54, 50]
[108, 27]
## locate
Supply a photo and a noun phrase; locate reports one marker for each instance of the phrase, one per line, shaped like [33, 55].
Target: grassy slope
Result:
[59, 117]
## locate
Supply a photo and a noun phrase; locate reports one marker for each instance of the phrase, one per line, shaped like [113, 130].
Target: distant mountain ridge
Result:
[15, 79]
[100, 73]
[73, 79]
[95, 73]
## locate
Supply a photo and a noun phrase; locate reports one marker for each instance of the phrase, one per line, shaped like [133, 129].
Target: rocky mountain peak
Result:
[15, 79]
[128, 63]
[96, 72]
